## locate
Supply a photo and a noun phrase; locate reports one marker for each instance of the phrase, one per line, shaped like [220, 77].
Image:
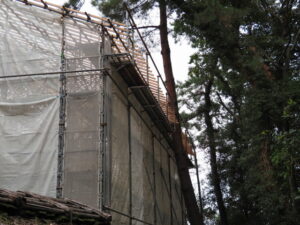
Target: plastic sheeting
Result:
[30, 43]
[176, 195]
[137, 171]
[28, 137]
[163, 177]
[147, 185]
[148, 174]
[142, 171]
[158, 184]
[120, 158]
[30, 39]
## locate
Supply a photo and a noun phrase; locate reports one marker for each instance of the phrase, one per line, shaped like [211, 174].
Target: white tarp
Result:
[29, 140]
[30, 42]
[30, 39]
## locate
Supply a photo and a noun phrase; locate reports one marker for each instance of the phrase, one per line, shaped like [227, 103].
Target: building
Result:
[83, 117]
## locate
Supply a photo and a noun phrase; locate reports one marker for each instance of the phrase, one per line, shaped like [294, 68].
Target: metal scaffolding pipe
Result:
[53, 73]
[130, 160]
[126, 215]
[154, 179]
[62, 115]
[170, 194]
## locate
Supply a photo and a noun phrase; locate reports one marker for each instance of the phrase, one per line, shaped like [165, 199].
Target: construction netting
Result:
[83, 101]
[67, 130]
[145, 182]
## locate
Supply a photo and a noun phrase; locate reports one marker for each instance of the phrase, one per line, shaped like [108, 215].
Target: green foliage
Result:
[251, 48]
[74, 4]
[114, 9]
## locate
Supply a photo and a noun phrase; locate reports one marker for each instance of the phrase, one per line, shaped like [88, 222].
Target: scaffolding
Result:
[81, 93]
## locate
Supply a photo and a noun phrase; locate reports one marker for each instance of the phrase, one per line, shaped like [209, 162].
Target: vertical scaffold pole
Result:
[170, 194]
[154, 181]
[102, 149]
[62, 117]
[130, 161]
[102, 155]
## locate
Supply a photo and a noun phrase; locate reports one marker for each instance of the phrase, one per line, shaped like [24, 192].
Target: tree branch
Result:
[147, 27]
[223, 104]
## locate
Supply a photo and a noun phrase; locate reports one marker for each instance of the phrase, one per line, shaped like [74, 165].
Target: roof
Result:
[27, 205]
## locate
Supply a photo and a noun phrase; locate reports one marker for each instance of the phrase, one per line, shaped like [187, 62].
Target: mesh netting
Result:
[142, 170]
[159, 184]
[137, 172]
[82, 135]
[176, 194]
[165, 188]
[83, 41]
[148, 175]
[120, 158]
[82, 147]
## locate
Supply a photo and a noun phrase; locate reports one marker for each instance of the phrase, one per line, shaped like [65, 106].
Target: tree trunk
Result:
[183, 171]
[199, 185]
[212, 151]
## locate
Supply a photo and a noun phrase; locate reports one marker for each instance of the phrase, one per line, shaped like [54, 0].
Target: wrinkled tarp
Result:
[29, 140]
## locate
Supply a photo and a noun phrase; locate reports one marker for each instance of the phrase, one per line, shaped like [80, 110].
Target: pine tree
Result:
[255, 47]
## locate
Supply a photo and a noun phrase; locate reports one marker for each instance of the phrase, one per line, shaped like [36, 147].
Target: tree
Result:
[255, 47]
[196, 96]
[74, 4]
